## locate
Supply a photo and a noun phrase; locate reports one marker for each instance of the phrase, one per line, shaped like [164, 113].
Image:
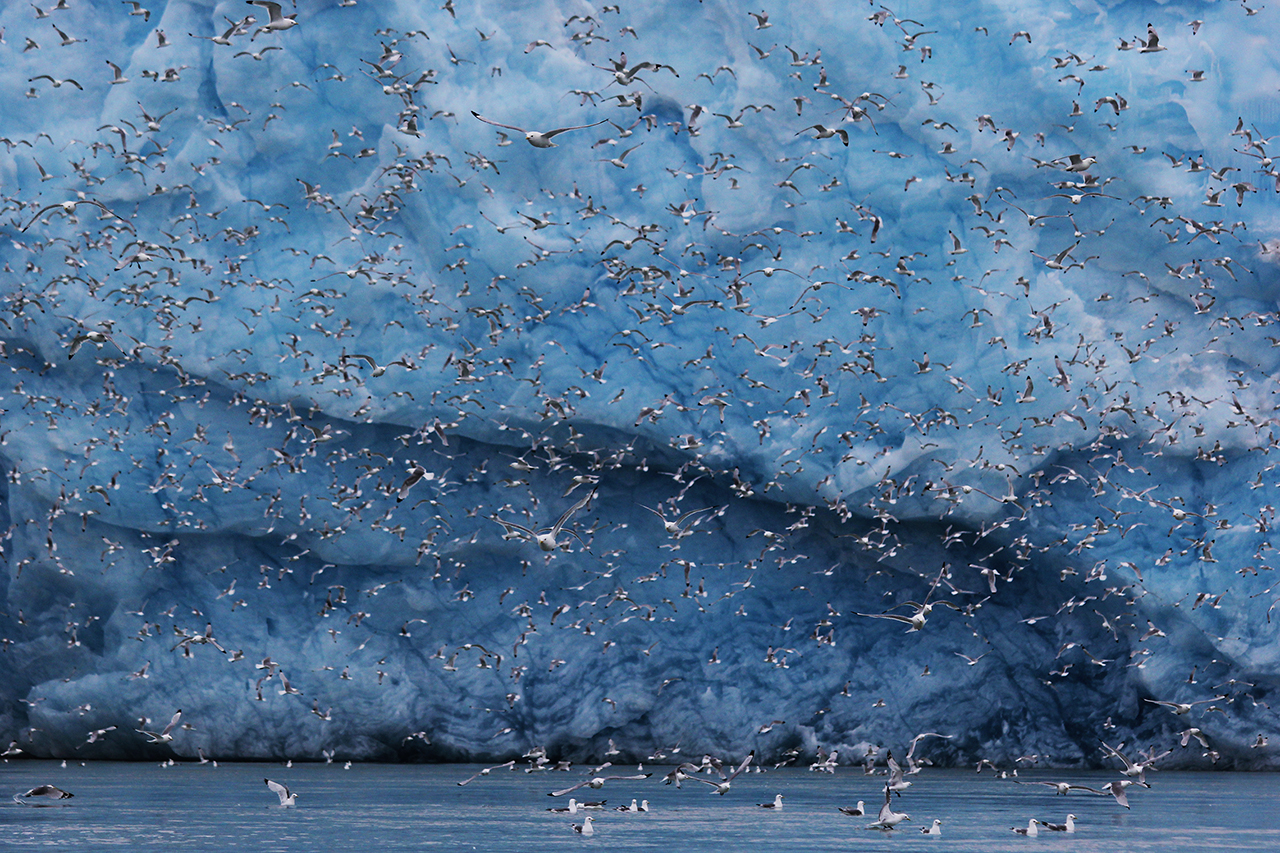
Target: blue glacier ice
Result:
[286, 329]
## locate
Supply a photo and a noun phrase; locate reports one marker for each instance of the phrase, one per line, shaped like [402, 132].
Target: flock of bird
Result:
[587, 340]
[711, 771]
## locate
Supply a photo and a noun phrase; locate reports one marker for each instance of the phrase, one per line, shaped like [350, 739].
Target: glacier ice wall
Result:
[286, 328]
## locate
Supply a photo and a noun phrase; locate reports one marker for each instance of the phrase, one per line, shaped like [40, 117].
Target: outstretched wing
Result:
[173, 722]
[500, 124]
[564, 791]
[555, 531]
[281, 791]
[746, 762]
[551, 133]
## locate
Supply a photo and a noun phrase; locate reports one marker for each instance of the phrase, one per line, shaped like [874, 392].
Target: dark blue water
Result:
[416, 807]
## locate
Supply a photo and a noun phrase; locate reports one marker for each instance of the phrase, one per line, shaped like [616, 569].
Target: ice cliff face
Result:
[286, 329]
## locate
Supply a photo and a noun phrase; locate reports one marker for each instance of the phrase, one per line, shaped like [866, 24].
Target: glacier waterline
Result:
[226, 444]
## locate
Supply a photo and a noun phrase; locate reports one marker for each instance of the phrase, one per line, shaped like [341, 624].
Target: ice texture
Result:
[286, 329]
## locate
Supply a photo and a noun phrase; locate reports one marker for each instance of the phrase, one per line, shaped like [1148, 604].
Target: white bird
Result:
[1115, 789]
[722, 787]
[822, 132]
[896, 783]
[536, 138]
[888, 818]
[546, 537]
[913, 766]
[117, 74]
[278, 21]
[596, 783]
[572, 808]
[1139, 768]
[1181, 708]
[935, 829]
[1062, 788]
[486, 771]
[1076, 163]
[416, 473]
[1069, 826]
[68, 207]
[776, 804]
[1030, 831]
[286, 796]
[1152, 44]
[854, 811]
[584, 828]
[678, 529]
[166, 735]
[620, 160]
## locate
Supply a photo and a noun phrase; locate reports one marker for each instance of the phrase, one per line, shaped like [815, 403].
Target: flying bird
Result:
[44, 792]
[166, 735]
[546, 537]
[595, 783]
[538, 139]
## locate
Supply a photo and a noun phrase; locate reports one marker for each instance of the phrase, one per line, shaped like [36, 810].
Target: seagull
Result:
[47, 792]
[68, 207]
[286, 796]
[776, 804]
[167, 734]
[1076, 163]
[1140, 768]
[888, 818]
[914, 767]
[277, 20]
[572, 808]
[915, 620]
[535, 138]
[1181, 708]
[56, 82]
[896, 783]
[1030, 831]
[1115, 789]
[1198, 734]
[1062, 788]
[935, 829]
[854, 811]
[596, 783]
[722, 787]
[485, 772]
[584, 828]
[1152, 43]
[416, 473]
[94, 336]
[1069, 826]
[675, 529]
[546, 538]
[828, 132]
[620, 160]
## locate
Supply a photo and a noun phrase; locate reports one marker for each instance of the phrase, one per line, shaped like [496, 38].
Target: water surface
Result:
[191, 807]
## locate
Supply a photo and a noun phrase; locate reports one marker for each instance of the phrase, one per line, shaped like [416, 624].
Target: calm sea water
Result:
[420, 807]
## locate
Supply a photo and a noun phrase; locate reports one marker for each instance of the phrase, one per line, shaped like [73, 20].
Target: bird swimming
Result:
[1030, 830]
[287, 797]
